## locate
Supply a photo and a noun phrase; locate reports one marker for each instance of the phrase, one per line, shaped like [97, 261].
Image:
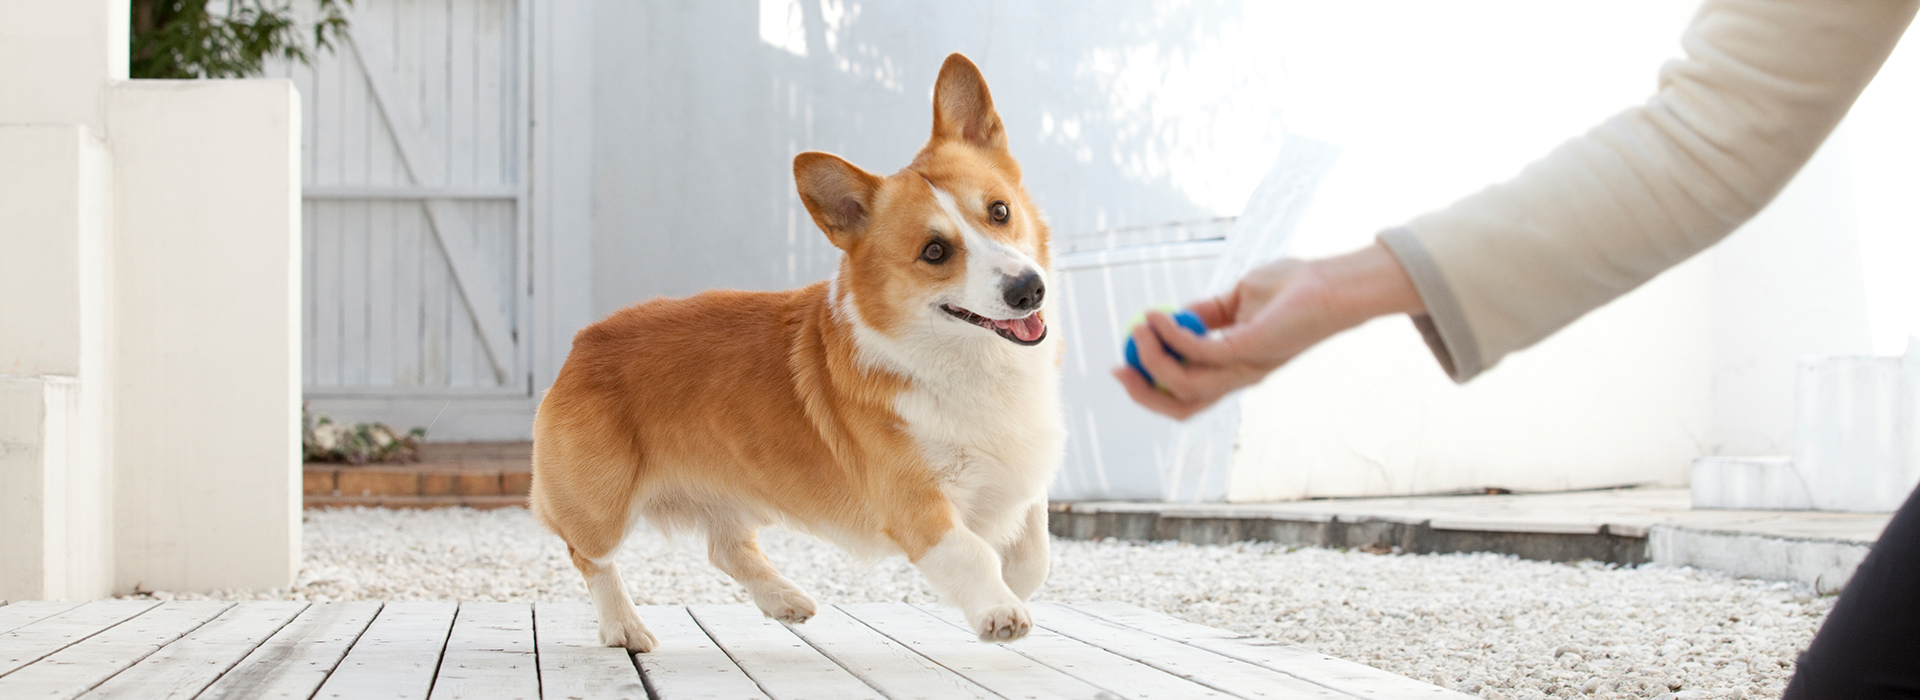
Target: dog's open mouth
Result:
[1025, 331]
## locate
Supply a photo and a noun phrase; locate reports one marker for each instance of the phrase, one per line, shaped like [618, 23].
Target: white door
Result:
[415, 155]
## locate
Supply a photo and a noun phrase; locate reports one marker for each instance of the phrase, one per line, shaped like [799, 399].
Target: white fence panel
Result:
[415, 215]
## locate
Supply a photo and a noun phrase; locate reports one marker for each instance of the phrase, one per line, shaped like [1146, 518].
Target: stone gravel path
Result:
[1490, 625]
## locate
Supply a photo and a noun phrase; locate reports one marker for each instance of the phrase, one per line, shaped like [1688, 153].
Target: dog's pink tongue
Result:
[1027, 329]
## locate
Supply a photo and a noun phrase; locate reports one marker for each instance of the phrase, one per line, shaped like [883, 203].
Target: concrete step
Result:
[1618, 526]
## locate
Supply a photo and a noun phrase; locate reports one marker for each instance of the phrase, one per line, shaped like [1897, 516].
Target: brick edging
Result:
[477, 502]
[334, 481]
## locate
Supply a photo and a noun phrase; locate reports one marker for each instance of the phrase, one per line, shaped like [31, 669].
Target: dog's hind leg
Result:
[591, 516]
[735, 549]
[620, 624]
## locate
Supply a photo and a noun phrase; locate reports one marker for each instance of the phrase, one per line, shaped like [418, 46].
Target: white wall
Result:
[1827, 269]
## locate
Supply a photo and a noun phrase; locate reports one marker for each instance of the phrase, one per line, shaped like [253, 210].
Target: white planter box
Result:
[1748, 483]
[1854, 435]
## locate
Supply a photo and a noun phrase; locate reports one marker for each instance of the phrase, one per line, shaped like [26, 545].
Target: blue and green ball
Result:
[1187, 319]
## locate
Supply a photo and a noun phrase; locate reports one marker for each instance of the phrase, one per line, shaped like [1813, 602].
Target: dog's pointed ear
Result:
[962, 107]
[837, 193]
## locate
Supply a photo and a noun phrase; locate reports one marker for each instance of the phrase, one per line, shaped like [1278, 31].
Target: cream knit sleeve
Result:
[1762, 84]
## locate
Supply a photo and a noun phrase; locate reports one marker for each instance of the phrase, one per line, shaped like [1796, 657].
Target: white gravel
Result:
[1488, 625]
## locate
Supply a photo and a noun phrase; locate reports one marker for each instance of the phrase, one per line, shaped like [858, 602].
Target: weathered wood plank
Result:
[573, 662]
[1173, 660]
[519, 171]
[409, 222]
[439, 310]
[382, 277]
[992, 666]
[466, 350]
[296, 660]
[1125, 676]
[328, 263]
[465, 33]
[32, 642]
[309, 323]
[688, 665]
[27, 612]
[83, 665]
[897, 671]
[466, 356]
[396, 656]
[784, 665]
[489, 654]
[1354, 679]
[183, 668]
[332, 80]
[356, 304]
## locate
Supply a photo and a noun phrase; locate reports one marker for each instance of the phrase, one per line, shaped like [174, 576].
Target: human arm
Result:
[1762, 85]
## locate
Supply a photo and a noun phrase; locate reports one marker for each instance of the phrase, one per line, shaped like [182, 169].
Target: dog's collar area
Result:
[1012, 330]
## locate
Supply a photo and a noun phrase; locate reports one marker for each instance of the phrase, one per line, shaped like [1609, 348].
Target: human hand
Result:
[1277, 311]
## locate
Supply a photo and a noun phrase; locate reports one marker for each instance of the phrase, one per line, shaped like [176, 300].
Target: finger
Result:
[1148, 397]
[1187, 384]
[1166, 371]
[1216, 312]
[1193, 347]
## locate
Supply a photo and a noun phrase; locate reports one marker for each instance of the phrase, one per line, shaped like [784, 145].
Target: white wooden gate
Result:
[416, 220]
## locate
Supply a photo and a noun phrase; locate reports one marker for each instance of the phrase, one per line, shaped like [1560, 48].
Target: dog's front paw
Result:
[1003, 623]
[629, 633]
[786, 605]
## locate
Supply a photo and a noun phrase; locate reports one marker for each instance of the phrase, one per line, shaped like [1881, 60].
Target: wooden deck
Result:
[200, 649]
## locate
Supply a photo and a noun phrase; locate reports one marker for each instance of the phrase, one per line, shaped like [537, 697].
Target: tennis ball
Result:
[1187, 319]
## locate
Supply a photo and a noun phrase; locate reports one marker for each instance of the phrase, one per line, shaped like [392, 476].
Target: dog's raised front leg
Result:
[1024, 561]
[966, 571]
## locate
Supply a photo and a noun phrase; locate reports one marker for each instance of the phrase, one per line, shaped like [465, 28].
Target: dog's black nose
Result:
[1025, 292]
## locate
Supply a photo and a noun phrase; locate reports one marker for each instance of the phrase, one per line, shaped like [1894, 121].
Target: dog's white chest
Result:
[994, 443]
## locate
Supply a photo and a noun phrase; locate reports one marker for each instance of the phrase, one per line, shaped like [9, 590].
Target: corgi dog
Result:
[907, 405]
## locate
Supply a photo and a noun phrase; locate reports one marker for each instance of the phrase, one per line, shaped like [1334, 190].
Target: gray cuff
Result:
[1444, 326]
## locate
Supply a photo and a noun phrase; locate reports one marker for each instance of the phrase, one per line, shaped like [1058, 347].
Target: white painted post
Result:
[207, 339]
[149, 385]
[56, 61]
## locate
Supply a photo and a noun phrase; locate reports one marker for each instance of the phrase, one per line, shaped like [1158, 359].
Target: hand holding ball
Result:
[1186, 319]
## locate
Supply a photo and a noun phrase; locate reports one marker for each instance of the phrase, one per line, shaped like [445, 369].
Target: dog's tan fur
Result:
[727, 411]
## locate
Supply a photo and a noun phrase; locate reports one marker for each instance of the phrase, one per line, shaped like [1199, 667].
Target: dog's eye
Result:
[935, 252]
[999, 212]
